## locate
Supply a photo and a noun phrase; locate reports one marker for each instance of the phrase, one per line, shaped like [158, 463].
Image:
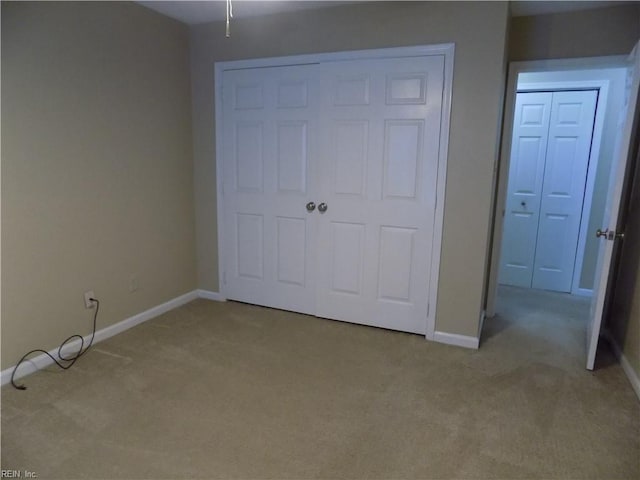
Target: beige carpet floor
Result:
[227, 390]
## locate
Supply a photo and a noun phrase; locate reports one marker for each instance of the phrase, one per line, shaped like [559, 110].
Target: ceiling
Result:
[194, 12]
[523, 8]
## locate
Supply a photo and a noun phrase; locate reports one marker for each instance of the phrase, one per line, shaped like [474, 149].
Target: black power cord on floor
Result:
[72, 359]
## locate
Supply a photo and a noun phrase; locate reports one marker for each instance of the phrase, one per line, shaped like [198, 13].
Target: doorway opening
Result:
[562, 142]
[567, 85]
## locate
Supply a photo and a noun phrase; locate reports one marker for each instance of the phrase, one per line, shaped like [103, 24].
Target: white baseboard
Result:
[583, 292]
[209, 295]
[42, 360]
[457, 340]
[631, 374]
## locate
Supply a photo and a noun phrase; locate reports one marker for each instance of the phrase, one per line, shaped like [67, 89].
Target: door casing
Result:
[446, 50]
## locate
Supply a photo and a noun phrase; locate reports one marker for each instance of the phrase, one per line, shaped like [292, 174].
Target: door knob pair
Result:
[312, 206]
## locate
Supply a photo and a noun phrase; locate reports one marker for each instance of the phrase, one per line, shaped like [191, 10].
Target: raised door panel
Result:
[350, 90]
[248, 94]
[347, 256]
[291, 250]
[406, 89]
[395, 257]
[526, 174]
[567, 161]
[292, 156]
[249, 161]
[350, 157]
[293, 93]
[402, 154]
[249, 240]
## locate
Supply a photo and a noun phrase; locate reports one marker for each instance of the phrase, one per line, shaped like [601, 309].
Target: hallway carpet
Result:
[228, 390]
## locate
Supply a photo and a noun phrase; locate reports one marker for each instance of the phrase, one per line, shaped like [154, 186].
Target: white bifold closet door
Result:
[551, 145]
[359, 138]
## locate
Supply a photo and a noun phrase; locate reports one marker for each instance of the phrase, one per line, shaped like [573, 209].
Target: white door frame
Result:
[602, 86]
[502, 173]
[446, 50]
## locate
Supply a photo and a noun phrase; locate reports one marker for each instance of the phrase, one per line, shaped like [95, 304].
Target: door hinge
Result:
[428, 308]
[224, 278]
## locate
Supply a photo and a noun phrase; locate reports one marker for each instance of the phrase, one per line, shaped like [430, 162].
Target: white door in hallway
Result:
[610, 232]
[526, 173]
[269, 134]
[565, 175]
[550, 156]
[380, 144]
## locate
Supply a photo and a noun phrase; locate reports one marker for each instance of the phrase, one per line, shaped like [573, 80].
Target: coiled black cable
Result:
[71, 360]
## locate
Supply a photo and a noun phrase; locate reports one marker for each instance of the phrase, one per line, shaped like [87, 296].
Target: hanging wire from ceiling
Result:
[229, 16]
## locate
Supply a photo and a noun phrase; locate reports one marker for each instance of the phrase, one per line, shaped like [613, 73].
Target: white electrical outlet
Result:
[87, 299]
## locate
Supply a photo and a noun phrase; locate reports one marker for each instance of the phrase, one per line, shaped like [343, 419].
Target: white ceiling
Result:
[194, 12]
[523, 8]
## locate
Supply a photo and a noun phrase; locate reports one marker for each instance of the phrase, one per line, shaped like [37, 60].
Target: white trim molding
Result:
[441, 183]
[209, 295]
[313, 58]
[583, 292]
[42, 361]
[631, 374]
[462, 340]
[457, 340]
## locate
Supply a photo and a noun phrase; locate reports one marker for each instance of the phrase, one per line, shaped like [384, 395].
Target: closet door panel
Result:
[526, 174]
[568, 150]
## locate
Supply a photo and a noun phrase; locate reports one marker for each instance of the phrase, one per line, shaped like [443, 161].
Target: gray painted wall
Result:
[97, 178]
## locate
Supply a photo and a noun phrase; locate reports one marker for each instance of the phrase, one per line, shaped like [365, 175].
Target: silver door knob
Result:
[602, 233]
[322, 207]
[311, 207]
